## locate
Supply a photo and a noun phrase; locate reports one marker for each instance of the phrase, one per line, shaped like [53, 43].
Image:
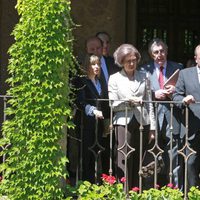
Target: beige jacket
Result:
[121, 90]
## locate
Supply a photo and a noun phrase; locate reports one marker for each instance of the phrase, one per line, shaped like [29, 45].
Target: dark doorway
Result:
[177, 22]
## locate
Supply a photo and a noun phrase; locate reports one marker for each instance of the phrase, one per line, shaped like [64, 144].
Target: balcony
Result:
[149, 169]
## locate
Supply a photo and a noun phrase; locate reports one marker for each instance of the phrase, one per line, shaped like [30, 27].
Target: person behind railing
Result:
[188, 91]
[106, 39]
[94, 46]
[127, 88]
[90, 90]
[160, 69]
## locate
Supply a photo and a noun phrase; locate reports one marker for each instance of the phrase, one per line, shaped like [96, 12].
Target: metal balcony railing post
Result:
[171, 143]
[141, 128]
[111, 139]
[96, 148]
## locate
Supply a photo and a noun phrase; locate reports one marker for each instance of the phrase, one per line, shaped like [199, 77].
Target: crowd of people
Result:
[131, 88]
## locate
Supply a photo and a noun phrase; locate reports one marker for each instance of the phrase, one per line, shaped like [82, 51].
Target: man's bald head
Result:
[94, 46]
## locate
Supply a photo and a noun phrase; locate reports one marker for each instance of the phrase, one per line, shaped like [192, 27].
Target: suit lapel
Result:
[137, 82]
[169, 70]
[92, 88]
[154, 77]
[107, 65]
[195, 78]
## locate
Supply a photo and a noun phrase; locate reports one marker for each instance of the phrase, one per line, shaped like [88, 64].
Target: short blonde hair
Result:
[124, 50]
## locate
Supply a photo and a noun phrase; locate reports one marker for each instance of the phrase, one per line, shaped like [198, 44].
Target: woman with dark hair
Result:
[90, 90]
[128, 88]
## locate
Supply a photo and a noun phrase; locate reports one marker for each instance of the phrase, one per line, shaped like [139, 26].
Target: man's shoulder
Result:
[109, 60]
[175, 64]
[188, 70]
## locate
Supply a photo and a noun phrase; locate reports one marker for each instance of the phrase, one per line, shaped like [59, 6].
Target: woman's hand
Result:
[98, 114]
[151, 136]
[135, 100]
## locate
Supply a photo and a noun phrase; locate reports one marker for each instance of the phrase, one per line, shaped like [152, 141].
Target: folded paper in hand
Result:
[172, 79]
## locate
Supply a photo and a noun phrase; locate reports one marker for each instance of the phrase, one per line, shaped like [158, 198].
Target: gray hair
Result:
[122, 51]
[157, 42]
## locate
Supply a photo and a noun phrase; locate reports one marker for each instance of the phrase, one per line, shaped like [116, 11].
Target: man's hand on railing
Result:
[98, 114]
[188, 99]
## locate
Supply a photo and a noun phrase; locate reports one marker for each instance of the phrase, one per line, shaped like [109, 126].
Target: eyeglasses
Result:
[131, 61]
[162, 51]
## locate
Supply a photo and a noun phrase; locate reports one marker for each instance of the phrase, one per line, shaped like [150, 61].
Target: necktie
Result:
[161, 78]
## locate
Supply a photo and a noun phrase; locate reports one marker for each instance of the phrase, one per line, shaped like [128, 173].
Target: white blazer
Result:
[121, 90]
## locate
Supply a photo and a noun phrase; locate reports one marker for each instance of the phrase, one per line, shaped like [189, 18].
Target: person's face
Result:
[94, 47]
[95, 69]
[159, 54]
[130, 63]
[197, 56]
[106, 44]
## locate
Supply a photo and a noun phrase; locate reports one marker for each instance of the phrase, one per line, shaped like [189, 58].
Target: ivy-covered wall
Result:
[41, 61]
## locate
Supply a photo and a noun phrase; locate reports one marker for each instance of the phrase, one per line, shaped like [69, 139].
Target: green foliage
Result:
[194, 193]
[111, 190]
[86, 191]
[165, 193]
[39, 67]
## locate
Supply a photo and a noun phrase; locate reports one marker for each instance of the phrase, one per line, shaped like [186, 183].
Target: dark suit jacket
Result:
[188, 84]
[164, 109]
[111, 68]
[87, 94]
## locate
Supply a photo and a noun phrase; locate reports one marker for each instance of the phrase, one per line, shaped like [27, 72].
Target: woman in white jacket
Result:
[127, 90]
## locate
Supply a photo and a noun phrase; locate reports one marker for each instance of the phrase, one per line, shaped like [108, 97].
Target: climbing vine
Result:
[41, 61]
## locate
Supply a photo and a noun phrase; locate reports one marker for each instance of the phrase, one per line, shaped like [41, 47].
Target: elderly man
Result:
[160, 69]
[188, 91]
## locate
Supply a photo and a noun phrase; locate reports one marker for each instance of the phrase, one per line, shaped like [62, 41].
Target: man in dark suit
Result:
[160, 69]
[95, 46]
[106, 39]
[188, 91]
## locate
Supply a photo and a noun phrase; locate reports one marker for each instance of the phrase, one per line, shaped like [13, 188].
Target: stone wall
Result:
[8, 19]
[93, 16]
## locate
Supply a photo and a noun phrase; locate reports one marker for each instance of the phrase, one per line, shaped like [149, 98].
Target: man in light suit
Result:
[158, 51]
[188, 91]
